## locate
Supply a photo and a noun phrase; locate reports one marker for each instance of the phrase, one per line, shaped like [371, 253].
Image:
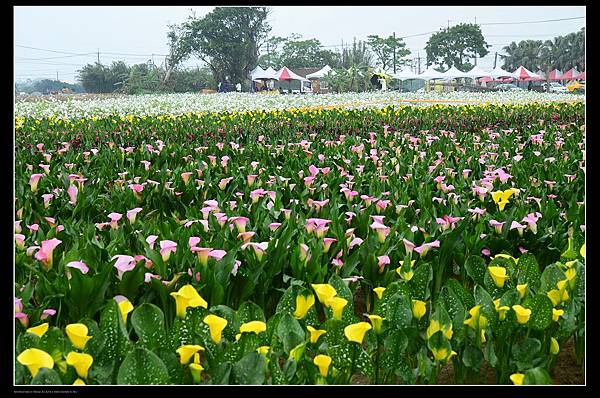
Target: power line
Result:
[528, 22]
[62, 56]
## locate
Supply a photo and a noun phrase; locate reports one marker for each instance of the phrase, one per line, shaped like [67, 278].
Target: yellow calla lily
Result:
[434, 326]
[477, 320]
[442, 354]
[216, 325]
[253, 326]
[323, 362]
[35, 359]
[185, 297]
[196, 372]
[303, 304]
[571, 275]
[263, 349]
[187, 351]
[81, 363]
[376, 321]
[522, 289]
[419, 308]
[125, 307]
[79, 382]
[39, 330]
[501, 310]
[522, 313]
[517, 378]
[499, 275]
[337, 305]
[501, 197]
[78, 334]
[582, 251]
[379, 292]
[324, 292]
[556, 314]
[356, 331]
[554, 347]
[315, 334]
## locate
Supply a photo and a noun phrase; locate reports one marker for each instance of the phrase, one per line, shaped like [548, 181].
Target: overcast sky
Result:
[133, 34]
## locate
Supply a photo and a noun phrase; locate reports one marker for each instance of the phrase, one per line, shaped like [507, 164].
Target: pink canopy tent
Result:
[527, 75]
[570, 74]
[555, 75]
[286, 74]
[580, 76]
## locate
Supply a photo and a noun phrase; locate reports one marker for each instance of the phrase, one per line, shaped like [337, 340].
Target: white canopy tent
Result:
[498, 73]
[265, 75]
[431, 74]
[256, 71]
[406, 74]
[477, 72]
[320, 73]
[454, 73]
[286, 74]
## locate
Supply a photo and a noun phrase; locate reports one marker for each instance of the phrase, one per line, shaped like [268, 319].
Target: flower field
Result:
[298, 246]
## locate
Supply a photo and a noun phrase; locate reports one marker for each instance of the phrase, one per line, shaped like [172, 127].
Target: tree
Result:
[357, 55]
[295, 53]
[454, 46]
[384, 49]
[180, 48]
[227, 39]
[527, 53]
[95, 78]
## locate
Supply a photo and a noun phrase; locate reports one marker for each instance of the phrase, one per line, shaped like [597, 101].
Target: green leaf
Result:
[537, 376]
[399, 311]
[250, 369]
[419, 283]
[46, 376]
[148, 321]
[289, 332]
[142, 366]
[476, 269]
[529, 270]
[221, 374]
[472, 357]
[541, 312]
[248, 312]
[394, 346]
[525, 351]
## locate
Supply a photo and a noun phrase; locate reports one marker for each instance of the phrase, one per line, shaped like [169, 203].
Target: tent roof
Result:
[405, 74]
[430, 74]
[523, 73]
[454, 73]
[570, 74]
[477, 72]
[256, 70]
[286, 74]
[320, 73]
[555, 75]
[580, 76]
[265, 74]
[498, 72]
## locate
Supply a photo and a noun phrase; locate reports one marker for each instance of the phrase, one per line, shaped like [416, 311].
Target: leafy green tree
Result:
[295, 53]
[384, 48]
[357, 55]
[180, 48]
[96, 78]
[227, 39]
[454, 46]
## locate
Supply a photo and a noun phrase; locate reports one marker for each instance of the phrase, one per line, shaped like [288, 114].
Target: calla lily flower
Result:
[34, 180]
[434, 326]
[185, 297]
[442, 354]
[303, 304]
[501, 197]
[315, 334]
[35, 359]
[408, 246]
[382, 231]
[356, 332]
[166, 248]
[45, 253]
[424, 248]
[78, 334]
[253, 327]
[327, 244]
[419, 309]
[379, 292]
[382, 261]
[554, 346]
[132, 213]
[187, 351]
[216, 325]
[522, 313]
[20, 241]
[501, 310]
[79, 382]
[240, 223]
[477, 321]
[72, 192]
[23, 318]
[81, 362]
[376, 321]
[556, 314]
[39, 330]
[259, 248]
[125, 306]
[80, 265]
[522, 289]
[124, 263]
[47, 313]
[322, 362]
[324, 292]
[499, 275]
[337, 305]
[517, 378]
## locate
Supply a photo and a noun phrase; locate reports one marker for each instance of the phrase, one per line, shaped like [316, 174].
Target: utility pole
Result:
[475, 53]
[268, 54]
[495, 59]
[394, 52]
[419, 62]
[98, 55]
[57, 76]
